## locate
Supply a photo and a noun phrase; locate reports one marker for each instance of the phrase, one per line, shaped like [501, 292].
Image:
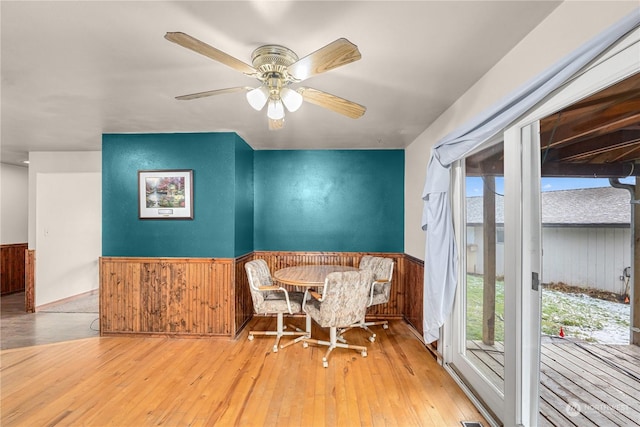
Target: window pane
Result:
[484, 287]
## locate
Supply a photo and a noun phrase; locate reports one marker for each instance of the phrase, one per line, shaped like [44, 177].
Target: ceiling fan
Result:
[277, 67]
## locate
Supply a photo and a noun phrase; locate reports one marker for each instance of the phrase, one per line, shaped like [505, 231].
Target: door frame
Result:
[522, 389]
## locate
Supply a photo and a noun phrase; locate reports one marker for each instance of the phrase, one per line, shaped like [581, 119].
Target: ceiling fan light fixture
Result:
[258, 97]
[275, 67]
[275, 110]
[291, 99]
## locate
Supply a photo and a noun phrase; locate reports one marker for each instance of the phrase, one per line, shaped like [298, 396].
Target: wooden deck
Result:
[581, 384]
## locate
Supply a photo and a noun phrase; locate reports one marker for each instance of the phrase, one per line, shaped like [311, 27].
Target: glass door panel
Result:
[477, 334]
[484, 290]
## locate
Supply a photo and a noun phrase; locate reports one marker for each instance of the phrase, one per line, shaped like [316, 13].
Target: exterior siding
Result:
[589, 257]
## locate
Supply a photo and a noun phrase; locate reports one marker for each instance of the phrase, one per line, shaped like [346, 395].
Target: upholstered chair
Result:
[271, 299]
[380, 292]
[343, 302]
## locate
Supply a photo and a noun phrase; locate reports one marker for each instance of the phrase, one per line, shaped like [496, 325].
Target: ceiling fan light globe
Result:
[258, 97]
[275, 110]
[291, 99]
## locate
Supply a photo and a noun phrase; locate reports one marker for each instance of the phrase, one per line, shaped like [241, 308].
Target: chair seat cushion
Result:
[381, 293]
[275, 302]
[380, 298]
[327, 318]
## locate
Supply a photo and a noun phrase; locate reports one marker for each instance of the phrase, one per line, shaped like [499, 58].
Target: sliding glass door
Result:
[492, 343]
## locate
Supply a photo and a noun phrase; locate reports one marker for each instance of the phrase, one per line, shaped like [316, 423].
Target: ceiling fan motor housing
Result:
[272, 62]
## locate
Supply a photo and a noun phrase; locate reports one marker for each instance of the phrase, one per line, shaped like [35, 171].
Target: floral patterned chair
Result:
[268, 299]
[382, 269]
[343, 302]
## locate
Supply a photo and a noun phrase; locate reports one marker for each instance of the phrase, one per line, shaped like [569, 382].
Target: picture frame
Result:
[165, 194]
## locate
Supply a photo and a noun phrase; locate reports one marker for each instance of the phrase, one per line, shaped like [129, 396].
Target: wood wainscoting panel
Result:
[413, 273]
[243, 302]
[30, 281]
[189, 297]
[201, 297]
[12, 268]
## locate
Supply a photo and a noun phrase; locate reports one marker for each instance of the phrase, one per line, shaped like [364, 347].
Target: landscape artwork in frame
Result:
[165, 194]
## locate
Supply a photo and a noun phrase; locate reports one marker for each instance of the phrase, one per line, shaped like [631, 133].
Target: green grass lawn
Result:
[475, 286]
[580, 316]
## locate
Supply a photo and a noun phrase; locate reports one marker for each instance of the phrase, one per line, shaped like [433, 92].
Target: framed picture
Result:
[165, 194]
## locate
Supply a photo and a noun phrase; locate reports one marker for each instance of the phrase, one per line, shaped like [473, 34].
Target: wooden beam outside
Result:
[489, 250]
[588, 148]
[635, 283]
[565, 170]
[587, 170]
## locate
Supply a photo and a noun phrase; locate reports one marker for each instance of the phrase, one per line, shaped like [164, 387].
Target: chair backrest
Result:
[259, 275]
[382, 269]
[345, 298]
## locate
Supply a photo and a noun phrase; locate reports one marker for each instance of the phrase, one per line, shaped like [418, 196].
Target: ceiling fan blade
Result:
[213, 92]
[276, 124]
[333, 55]
[332, 102]
[202, 48]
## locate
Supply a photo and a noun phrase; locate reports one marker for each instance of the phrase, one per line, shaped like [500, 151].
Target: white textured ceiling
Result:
[74, 70]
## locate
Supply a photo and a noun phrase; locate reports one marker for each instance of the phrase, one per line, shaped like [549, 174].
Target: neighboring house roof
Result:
[584, 206]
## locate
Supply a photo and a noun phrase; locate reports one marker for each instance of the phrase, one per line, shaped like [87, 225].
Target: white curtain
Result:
[441, 260]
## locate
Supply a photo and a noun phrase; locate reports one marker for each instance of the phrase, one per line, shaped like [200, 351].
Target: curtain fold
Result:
[441, 257]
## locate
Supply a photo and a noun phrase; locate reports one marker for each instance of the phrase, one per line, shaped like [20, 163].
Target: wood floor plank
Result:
[149, 381]
[159, 381]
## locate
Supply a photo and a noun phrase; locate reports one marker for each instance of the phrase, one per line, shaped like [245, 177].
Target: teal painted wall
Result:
[245, 200]
[244, 208]
[333, 200]
[221, 200]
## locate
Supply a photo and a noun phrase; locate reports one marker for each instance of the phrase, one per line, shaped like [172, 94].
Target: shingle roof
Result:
[585, 206]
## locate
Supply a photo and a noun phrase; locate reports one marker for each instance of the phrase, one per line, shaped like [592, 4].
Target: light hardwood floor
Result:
[180, 382]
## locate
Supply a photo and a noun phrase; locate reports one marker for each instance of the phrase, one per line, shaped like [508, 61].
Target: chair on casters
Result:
[382, 269]
[343, 302]
[268, 299]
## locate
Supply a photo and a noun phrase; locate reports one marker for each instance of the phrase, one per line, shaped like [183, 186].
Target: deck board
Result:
[581, 384]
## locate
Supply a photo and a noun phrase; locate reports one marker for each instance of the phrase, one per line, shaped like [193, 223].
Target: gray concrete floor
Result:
[21, 329]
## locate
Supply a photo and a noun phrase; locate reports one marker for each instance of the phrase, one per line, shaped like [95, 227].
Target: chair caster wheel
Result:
[364, 353]
[275, 348]
[250, 337]
[305, 344]
[385, 326]
[372, 339]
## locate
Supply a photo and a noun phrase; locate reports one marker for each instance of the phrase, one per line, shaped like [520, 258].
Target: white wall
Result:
[57, 162]
[14, 188]
[65, 222]
[568, 27]
[68, 235]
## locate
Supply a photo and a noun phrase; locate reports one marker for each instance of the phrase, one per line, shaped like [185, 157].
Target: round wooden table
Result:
[308, 275]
